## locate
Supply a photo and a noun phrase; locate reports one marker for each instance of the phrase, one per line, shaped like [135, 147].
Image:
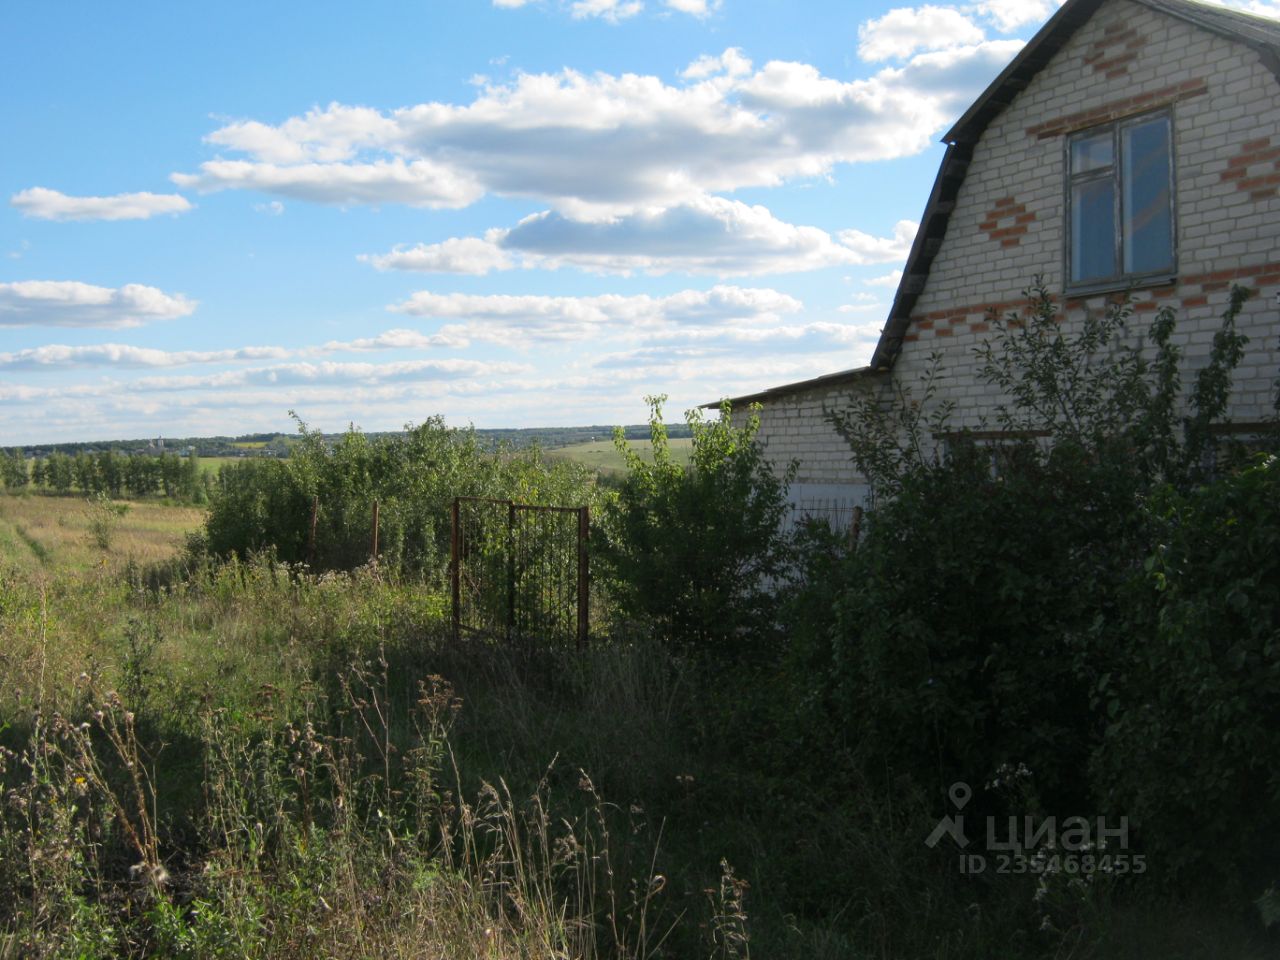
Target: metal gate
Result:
[520, 571]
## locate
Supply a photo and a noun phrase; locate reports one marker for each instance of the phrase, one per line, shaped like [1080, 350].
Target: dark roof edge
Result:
[928, 241]
[800, 386]
[1037, 52]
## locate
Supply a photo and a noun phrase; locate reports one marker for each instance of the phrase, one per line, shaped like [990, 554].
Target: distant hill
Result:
[279, 444]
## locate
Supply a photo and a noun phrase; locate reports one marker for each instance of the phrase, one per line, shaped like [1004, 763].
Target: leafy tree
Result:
[59, 472]
[697, 552]
[13, 470]
[86, 474]
[997, 611]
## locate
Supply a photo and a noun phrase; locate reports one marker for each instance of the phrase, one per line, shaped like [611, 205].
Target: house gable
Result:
[1005, 222]
[995, 219]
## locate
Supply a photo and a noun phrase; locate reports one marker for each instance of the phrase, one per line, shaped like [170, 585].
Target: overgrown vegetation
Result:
[696, 552]
[1091, 602]
[267, 504]
[267, 747]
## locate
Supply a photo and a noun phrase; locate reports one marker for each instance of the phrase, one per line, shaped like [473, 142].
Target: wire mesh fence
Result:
[520, 571]
[841, 515]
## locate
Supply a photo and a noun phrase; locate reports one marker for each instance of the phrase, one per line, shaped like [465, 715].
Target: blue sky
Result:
[509, 213]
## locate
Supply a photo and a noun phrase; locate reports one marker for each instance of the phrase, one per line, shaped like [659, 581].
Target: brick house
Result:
[1132, 145]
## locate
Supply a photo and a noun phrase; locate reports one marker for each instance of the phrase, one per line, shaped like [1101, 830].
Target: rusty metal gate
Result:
[520, 571]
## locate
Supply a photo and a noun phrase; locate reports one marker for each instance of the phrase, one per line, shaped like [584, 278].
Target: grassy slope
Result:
[54, 532]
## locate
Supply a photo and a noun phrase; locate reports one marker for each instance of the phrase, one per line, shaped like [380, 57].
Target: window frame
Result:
[1119, 280]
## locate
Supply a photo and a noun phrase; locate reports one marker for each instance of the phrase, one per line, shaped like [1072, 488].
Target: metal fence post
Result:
[455, 570]
[584, 580]
[373, 548]
[511, 569]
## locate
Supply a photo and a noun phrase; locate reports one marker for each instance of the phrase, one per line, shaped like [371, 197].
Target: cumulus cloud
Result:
[420, 183]
[862, 303]
[467, 255]
[398, 339]
[502, 318]
[58, 356]
[611, 10]
[731, 63]
[41, 203]
[1009, 15]
[890, 279]
[711, 235]
[69, 303]
[695, 8]
[906, 30]
[872, 249]
[330, 373]
[601, 145]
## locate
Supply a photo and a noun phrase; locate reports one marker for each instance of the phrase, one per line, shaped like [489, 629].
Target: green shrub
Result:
[1193, 736]
[696, 552]
[262, 504]
[997, 612]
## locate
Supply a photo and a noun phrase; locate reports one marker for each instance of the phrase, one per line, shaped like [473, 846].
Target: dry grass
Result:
[53, 533]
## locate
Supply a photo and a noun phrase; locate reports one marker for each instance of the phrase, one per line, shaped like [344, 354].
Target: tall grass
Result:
[250, 760]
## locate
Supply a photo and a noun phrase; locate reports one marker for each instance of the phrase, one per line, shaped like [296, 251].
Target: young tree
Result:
[697, 551]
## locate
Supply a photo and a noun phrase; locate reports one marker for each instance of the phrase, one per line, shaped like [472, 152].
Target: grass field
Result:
[213, 464]
[603, 456]
[56, 533]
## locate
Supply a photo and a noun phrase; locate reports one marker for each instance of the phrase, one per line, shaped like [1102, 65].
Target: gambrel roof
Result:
[1257, 33]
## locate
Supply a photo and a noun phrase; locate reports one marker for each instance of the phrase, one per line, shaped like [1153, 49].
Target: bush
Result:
[1194, 704]
[696, 552]
[414, 476]
[1091, 604]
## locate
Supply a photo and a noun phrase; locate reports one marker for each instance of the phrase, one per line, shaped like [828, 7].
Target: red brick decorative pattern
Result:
[1255, 169]
[1112, 53]
[1007, 221]
[1118, 108]
[1191, 291]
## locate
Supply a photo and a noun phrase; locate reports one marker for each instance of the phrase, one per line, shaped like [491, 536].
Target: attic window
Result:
[1120, 203]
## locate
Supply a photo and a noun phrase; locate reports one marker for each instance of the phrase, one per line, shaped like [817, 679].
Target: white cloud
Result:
[398, 339]
[69, 303]
[862, 303]
[601, 145]
[468, 255]
[41, 203]
[336, 374]
[508, 319]
[710, 235]
[906, 30]
[123, 356]
[872, 249]
[60, 356]
[732, 63]
[611, 10]
[890, 279]
[1009, 15]
[272, 208]
[695, 8]
[510, 4]
[420, 183]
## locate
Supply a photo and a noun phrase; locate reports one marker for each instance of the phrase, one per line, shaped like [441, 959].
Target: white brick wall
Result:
[1227, 217]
